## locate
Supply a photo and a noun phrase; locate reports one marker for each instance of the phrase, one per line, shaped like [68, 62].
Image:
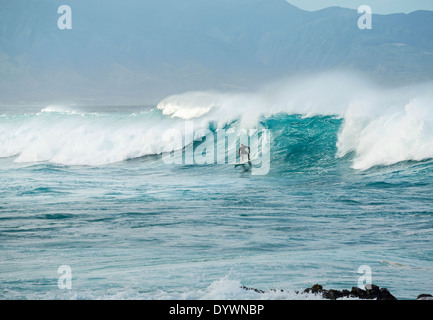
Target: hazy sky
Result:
[378, 6]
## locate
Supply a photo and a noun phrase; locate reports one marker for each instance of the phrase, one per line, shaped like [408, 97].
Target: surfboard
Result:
[247, 166]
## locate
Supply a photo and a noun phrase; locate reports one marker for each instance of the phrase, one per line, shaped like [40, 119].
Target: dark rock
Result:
[346, 293]
[358, 293]
[317, 288]
[372, 291]
[332, 294]
[425, 296]
[252, 289]
[384, 294]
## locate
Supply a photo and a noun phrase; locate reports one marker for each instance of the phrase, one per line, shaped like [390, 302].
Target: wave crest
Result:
[381, 126]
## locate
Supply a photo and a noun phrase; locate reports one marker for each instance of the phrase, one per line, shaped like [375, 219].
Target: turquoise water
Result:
[91, 191]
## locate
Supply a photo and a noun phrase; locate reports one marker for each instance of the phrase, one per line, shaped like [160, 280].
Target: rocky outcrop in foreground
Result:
[371, 292]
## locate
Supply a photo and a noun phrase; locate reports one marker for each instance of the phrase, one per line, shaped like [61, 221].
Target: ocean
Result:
[123, 202]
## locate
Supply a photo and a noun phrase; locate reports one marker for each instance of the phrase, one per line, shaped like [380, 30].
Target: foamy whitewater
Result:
[349, 184]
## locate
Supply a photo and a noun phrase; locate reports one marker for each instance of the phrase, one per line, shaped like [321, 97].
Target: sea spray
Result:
[381, 126]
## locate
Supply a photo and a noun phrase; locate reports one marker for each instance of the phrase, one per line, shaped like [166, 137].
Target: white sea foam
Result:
[60, 109]
[72, 139]
[198, 104]
[324, 94]
[222, 289]
[381, 126]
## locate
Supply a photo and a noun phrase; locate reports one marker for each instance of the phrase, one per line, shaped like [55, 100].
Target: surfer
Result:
[243, 151]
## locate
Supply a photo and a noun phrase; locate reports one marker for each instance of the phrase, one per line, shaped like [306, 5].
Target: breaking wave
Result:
[380, 126]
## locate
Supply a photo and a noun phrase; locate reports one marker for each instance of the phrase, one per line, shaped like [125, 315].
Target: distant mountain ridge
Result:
[132, 51]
